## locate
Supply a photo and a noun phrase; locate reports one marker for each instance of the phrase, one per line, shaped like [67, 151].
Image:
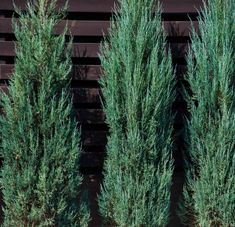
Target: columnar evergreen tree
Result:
[40, 143]
[209, 195]
[138, 93]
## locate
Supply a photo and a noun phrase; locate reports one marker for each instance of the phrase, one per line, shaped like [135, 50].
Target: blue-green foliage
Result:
[138, 92]
[209, 195]
[40, 143]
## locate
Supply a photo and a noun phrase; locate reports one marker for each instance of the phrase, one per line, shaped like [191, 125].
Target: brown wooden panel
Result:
[178, 6]
[86, 95]
[3, 88]
[81, 50]
[100, 28]
[76, 27]
[80, 95]
[87, 116]
[79, 72]
[93, 116]
[7, 49]
[107, 5]
[6, 71]
[74, 5]
[94, 138]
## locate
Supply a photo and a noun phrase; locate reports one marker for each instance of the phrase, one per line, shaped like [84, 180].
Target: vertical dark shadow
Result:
[85, 76]
[91, 184]
[180, 109]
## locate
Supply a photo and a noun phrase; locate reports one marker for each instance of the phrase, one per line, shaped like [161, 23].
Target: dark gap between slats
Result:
[86, 61]
[94, 127]
[107, 16]
[94, 148]
[85, 84]
[98, 39]
[4, 82]
[7, 60]
[88, 105]
[76, 39]
[69, 16]
[91, 170]
[89, 61]
[73, 84]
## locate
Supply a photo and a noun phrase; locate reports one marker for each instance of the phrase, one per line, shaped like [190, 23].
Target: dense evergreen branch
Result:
[209, 195]
[138, 91]
[40, 176]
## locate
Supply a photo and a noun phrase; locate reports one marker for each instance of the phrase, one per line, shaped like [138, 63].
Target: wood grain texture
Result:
[87, 50]
[79, 49]
[100, 28]
[104, 6]
[90, 116]
[80, 95]
[79, 72]
[76, 27]
[6, 71]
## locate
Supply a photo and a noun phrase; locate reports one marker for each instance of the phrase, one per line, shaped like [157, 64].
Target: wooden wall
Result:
[88, 20]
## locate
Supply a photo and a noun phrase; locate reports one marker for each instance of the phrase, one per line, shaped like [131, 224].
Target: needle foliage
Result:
[40, 143]
[138, 90]
[209, 195]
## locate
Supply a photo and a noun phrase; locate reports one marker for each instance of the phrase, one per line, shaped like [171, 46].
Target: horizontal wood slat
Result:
[80, 95]
[94, 138]
[74, 5]
[6, 71]
[80, 50]
[76, 27]
[86, 95]
[100, 28]
[93, 116]
[7, 49]
[79, 72]
[106, 6]
[90, 117]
